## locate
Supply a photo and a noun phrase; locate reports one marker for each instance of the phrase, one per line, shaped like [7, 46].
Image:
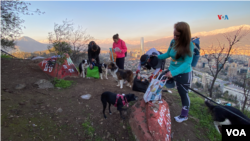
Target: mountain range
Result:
[207, 39]
[28, 44]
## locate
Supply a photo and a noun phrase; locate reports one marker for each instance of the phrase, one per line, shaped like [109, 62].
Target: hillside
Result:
[31, 113]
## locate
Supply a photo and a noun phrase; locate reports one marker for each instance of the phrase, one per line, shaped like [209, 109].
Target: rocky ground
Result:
[29, 113]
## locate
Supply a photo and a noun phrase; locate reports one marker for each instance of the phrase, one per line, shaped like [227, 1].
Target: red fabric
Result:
[150, 78]
[159, 121]
[137, 71]
[149, 125]
[120, 44]
[67, 69]
[138, 122]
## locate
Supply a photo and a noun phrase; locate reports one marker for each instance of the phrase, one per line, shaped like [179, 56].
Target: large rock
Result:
[44, 84]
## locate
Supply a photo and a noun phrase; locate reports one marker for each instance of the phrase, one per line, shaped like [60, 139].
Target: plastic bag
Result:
[140, 85]
[154, 89]
[86, 96]
[93, 73]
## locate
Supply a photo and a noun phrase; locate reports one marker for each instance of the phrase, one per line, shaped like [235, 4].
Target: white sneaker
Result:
[180, 119]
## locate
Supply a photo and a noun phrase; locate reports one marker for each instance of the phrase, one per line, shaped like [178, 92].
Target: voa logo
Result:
[236, 132]
[223, 17]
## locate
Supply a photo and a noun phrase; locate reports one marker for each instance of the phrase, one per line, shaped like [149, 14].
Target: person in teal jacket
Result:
[181, 53]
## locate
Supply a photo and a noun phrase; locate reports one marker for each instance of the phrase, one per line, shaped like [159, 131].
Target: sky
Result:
[134, 19]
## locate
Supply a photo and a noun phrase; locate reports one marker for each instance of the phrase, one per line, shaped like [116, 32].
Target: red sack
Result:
[138, 122]
[147, 124]
[159, 120]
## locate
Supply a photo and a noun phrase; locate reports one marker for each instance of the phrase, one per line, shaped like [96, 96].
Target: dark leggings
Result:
[99, 67]
[120, 62]
[163, 64]
[186, 79]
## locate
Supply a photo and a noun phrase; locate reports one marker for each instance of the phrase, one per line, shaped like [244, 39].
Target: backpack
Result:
[154, 53]
[125, 52]
[196, 54]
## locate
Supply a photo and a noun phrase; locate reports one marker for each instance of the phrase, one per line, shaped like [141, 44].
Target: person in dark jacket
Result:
[145, 62]
[93, 55]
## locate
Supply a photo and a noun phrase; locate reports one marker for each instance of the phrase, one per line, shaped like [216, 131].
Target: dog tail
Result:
[209, 105]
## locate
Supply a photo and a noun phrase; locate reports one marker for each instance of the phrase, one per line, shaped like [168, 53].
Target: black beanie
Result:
[144, 59]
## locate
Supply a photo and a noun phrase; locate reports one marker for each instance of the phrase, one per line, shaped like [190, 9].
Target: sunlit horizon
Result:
[134, 19]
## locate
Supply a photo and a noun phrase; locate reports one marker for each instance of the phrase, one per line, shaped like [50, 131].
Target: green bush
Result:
[247, 113]
[201, 112]
[5, 56]
[62, 83]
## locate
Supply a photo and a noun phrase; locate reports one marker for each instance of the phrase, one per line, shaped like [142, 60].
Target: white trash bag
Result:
[154, 89]
[86, 96]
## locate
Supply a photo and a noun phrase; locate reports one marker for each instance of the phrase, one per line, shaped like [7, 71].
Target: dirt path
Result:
[30, 113]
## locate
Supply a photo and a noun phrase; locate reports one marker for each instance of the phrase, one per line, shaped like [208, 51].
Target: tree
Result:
[76, 38]
[226, 95]
[246, 90]
[11, 23]
[218, 56]
[59, 48]
[198, 84]
[218, 95]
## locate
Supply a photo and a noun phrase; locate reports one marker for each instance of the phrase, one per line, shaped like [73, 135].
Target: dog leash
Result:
[111, 51]
[212, 101]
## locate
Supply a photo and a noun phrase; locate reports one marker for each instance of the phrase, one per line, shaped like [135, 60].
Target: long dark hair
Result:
[182, 46]
[116, 36]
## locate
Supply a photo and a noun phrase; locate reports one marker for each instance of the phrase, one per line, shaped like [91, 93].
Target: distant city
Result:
[226, 81]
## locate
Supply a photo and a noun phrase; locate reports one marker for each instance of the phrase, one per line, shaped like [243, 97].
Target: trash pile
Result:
[150, 118]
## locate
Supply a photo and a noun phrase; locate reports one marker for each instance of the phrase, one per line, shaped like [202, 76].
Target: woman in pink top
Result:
[120, 49]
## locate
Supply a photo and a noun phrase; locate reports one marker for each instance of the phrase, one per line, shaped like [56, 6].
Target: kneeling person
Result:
[93, 55]
[148, 61]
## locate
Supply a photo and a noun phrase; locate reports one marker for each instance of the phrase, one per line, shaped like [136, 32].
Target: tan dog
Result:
[121, 75]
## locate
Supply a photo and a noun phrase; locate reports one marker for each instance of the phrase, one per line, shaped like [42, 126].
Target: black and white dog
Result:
[104, 70]
[83, 68]
[111, 99]
[121, 75]
[223, 117]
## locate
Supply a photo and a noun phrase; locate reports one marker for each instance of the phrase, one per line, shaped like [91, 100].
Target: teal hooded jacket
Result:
[180, 65]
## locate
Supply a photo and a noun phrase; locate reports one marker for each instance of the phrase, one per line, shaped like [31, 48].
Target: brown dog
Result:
[121, 75]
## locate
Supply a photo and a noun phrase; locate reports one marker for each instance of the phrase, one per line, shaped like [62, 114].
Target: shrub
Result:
[62, 83]
[5, 56]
